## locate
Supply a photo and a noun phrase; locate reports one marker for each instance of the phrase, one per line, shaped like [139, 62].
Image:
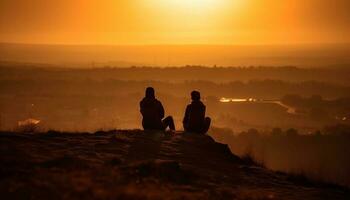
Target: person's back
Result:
[195, 120]
[194, 116]
[153, 112]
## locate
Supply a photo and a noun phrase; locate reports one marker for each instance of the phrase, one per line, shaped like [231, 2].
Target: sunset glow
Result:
[191, 4]
[174, 21]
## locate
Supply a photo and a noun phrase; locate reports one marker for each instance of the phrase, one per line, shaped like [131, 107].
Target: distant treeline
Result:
[336, 74]
[264, 89]
[259, 82]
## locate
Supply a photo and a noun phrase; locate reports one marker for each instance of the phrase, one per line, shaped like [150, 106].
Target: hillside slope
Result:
[139, 165]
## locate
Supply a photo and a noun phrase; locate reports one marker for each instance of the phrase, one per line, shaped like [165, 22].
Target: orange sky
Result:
[175, 21]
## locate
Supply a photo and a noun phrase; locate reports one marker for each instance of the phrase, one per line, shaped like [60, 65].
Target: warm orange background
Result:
[174, 21]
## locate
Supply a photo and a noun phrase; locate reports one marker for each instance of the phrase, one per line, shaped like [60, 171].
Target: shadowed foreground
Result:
[139, 165]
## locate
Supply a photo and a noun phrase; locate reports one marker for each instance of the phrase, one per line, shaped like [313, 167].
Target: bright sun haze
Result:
[174, 21]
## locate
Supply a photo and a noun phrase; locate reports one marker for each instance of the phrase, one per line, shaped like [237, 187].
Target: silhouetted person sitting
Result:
[153, 112]
[195, 120]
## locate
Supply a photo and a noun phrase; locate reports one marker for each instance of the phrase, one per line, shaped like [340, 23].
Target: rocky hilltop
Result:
[133, 164]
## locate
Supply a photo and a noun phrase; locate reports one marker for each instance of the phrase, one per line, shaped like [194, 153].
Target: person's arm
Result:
[141, 108]
[161, 110]
[187, 112]
[203, 112]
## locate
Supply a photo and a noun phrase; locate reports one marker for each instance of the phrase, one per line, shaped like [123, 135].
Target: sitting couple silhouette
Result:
[194, 120]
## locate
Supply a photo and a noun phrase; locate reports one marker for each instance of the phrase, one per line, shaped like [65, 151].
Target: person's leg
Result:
[169, 122]
[206, 125]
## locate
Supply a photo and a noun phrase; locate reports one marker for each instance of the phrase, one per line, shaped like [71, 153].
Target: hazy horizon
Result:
[301, 55]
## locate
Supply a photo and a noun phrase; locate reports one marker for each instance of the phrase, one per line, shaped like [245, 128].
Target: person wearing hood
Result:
[195, 120]
[153, 113]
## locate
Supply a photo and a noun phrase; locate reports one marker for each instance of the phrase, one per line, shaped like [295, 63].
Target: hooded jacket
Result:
[194, 116]
[152, 112]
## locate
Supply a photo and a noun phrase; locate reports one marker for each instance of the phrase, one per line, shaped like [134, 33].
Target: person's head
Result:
[195, 96]
[150, 93]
